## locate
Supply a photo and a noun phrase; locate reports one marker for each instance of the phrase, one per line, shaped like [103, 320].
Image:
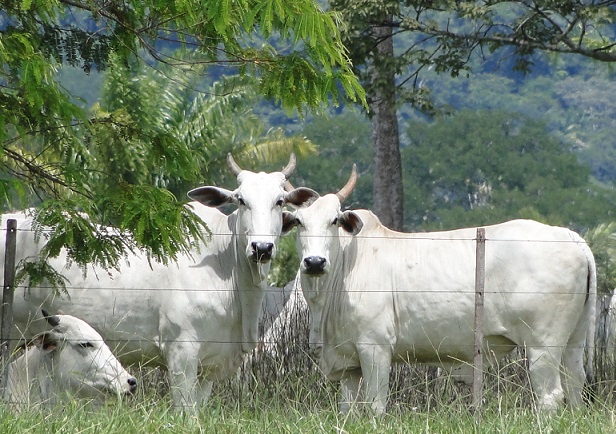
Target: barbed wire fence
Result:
[291, 372]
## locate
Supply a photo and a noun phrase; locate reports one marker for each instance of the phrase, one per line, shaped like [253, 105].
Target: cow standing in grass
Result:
[196, 317]
[377, 296]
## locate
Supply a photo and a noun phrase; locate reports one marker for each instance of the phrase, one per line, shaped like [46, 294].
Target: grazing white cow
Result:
[70, 360]
[378, 296]
[196, 317]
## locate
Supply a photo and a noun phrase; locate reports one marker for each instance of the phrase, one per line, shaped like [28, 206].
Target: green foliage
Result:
[149, 135]
[129, 208]
[38, 273]
[61, 225]
[575, 107]
[483, 167]
[602, 241]
[341, 141]
[284, 267]
[455, 38]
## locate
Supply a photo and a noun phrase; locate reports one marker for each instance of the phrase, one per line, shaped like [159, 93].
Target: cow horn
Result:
[345, 191]
[233, 167]
[290, 167]
[288, 187]
[53, 320]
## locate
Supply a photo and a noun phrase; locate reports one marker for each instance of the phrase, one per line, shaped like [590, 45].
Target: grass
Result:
[287, 394]
[156, 417]
[304, 402]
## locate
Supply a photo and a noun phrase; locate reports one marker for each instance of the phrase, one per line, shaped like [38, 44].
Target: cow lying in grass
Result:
[70, 360]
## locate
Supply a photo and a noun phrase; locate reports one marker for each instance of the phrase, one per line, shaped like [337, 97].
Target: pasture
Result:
[286, 393]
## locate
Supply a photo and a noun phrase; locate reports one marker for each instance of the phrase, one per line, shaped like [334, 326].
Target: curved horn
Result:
[51, 319]
[290, 167]
[288, 187]
[345, 191]
[233, 167]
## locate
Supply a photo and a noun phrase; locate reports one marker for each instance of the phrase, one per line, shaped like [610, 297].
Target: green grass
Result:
[152, 416]
[287, 394]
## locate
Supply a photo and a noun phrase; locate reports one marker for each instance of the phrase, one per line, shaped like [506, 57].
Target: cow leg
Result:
[182, 366]
[203, 391]
[351, 389]
[544, 367]
[573, 374]
[375, 366]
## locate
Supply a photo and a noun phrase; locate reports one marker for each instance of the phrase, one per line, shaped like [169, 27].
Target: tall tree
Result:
[382, 103]
[369, 34]
[443, 36]
[46, 135]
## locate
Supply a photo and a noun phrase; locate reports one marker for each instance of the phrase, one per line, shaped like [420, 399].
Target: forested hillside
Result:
[562, 114]
[499, 143]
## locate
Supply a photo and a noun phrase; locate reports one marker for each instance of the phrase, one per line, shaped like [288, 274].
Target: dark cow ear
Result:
[301, 197]
[46, 342]
[211, 196]
[288, 222]
[350, 222]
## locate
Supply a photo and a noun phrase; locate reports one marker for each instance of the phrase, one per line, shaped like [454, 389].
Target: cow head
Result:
[78, 360]
[260, 198]
[318, 220]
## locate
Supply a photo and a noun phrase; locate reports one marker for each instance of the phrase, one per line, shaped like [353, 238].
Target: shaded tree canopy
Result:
[452, 36]
[48, 137]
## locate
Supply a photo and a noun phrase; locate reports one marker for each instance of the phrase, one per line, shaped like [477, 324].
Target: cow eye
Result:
[335, 222]
[85, 345]
[241, 201]
[279, 202]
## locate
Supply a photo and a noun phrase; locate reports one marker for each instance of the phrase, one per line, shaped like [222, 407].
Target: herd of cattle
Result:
[375, 297]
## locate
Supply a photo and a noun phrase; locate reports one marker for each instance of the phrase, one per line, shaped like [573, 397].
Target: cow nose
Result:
[315, 351]
[314, 264]
[132, 383]
[262, 252]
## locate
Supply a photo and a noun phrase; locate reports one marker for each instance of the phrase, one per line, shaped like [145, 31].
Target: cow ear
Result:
[288, 222]
[46, 342]
[211, 196]
[301, 197]
[350, 222]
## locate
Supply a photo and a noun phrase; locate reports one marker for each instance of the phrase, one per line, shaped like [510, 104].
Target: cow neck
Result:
[44, 367]
[249, 292]
[331, 286]
[337, 297]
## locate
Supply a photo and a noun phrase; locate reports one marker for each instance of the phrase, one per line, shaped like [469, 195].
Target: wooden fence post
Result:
[480, 271]
[7, 300]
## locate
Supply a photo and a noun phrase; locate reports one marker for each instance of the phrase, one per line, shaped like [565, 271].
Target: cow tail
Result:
[590, 314]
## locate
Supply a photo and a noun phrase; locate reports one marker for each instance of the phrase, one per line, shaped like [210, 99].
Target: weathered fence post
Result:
[7, 300]
[480, 271]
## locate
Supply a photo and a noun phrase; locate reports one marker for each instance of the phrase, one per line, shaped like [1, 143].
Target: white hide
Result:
[388, 297]
[70, 360]
[196, 317]
[610, 332]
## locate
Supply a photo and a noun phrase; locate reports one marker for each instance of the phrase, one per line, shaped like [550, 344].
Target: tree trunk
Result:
[387, 188]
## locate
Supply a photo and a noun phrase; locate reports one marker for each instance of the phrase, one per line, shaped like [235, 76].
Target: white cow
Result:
[196, 317]
[70, 360]
[378, 296]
